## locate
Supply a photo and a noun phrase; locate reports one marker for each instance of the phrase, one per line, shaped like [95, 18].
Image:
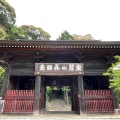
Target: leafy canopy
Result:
[114, 74]
[2, 71]
[3, 34]
[34, 33]
[65, 35]
[7, 12]
[7, 19]
[11, 32]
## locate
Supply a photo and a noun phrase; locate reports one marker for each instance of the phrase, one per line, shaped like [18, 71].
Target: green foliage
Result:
[7, 18]
[48, 93]
[8, 11]
[34, 33]
[48, 89]
[15, 33]
[27, 32]
[67, 36]
[114, 74]
[2, 33]
[79, 37]
[10, 32]
[4, 22]
[66, 88]
[2, 72]
[43, 34]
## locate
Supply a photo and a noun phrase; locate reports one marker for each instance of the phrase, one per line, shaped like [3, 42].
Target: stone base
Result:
[36, 113]
[1, 106]
[117, 111]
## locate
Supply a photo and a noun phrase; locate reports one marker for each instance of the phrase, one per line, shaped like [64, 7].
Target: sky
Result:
[100, 18]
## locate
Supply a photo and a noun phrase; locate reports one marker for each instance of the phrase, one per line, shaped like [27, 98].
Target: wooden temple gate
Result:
[19, 101]
[21, 56]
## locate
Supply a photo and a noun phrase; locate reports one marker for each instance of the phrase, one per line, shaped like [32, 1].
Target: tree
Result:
[7, 19]
[11, 32]
[43, 34]
[65, 36]
[2, 33]
[7, 15]
[79, 37]
[15, 33]
[48, 93]
[114, 74]
[33, 33]
[2, 71]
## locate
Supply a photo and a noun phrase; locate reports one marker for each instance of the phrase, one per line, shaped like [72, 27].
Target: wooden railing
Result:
[98, 101]
[19, 101]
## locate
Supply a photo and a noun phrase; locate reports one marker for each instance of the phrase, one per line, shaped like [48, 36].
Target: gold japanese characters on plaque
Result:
[59, 69]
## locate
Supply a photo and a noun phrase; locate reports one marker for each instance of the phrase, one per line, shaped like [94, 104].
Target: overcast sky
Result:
[100, 18]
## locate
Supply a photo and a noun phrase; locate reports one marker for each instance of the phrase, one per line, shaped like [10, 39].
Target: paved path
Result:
[58, 105]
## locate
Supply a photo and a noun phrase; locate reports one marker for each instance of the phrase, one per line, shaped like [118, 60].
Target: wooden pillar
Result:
[37, 96]
[5, 81]
[45, 97]
[74, 92]
[81, 95]
[43, 92]
[17, 86]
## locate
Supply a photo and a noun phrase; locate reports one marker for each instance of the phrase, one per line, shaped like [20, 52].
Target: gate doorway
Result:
[58, 93]
[58, 98]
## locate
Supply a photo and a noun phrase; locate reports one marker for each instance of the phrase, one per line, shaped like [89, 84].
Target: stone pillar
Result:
[36, 104]
[81, 95]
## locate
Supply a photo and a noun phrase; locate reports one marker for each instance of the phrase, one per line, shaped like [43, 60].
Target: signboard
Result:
[58, 69]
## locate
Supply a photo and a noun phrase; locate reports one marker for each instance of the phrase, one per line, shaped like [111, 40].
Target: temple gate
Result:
[31, 65]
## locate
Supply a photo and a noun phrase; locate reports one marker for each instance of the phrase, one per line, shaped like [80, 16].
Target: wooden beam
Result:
[81, 95]
[36, 104]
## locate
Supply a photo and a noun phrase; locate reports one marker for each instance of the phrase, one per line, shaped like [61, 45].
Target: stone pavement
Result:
[60, 117]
